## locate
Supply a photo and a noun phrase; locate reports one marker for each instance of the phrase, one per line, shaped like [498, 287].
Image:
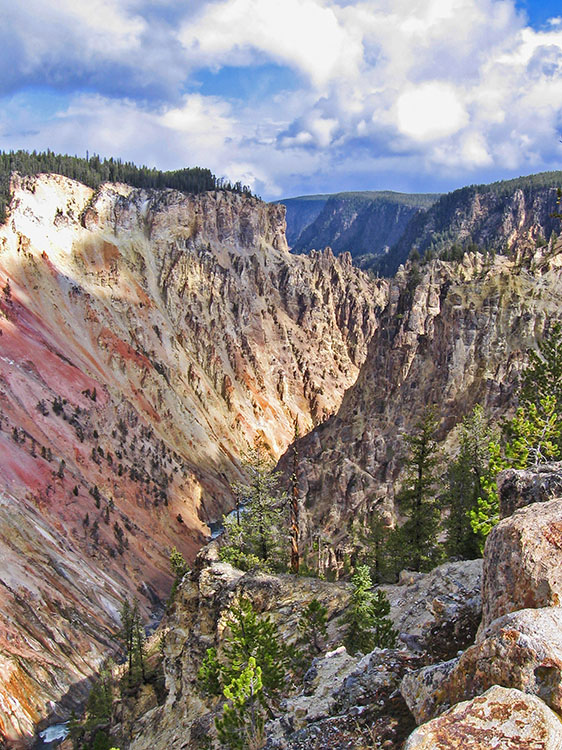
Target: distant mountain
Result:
[301, 213]
[505, 216]
[380, 229]
[366, 224]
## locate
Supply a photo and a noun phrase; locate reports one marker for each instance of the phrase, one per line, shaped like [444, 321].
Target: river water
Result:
[51, 736]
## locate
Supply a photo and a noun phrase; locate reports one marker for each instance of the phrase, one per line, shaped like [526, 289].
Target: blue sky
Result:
[292, 97]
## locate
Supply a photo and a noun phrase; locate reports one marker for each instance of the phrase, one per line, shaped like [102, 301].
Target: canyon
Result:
[365, 224]
[149, 337]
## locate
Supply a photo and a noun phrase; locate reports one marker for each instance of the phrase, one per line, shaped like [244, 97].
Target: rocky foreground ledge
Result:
[519, 643]
[343, 701]
[479, 664]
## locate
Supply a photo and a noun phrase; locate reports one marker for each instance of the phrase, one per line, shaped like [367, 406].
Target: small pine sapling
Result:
[241, 725]
[385, 634]
[312, 626]
[366, 617]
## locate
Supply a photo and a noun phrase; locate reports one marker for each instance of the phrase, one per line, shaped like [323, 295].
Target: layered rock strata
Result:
[147, 338]
[452, 335]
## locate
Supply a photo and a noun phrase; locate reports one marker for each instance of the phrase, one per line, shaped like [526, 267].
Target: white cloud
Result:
[305, 34]
[387, 87]
[430, 111]
[47, 31]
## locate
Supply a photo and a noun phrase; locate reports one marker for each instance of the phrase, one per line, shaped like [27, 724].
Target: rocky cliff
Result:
[365, 224]
[510, 217]
[518, 646]
[453, 335]
[146, 339]
[502, 690]
[300, 213]
[341, 701]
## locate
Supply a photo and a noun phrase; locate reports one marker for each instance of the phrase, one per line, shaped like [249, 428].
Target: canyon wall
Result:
[453, 335]
[147, 338]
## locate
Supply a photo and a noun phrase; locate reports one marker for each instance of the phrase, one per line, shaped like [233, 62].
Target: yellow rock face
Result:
[147, 338]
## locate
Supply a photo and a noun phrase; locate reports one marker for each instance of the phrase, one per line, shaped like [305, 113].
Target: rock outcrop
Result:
[197, 623]
[523, 561]
[454, 336]
[341, 698]
[519, 643]
[146, 339]
[522, 650]
[501, 718]
[520, 487]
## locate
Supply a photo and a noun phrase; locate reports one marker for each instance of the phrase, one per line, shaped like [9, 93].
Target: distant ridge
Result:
[364, 223]
[381, 228]
[93, 171]
[499, 217]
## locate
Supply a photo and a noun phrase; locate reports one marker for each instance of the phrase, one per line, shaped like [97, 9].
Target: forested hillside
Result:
[94, 171]
[365, 224]
[500, 217]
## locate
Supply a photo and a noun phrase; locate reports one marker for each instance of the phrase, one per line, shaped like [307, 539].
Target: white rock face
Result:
[147, 338]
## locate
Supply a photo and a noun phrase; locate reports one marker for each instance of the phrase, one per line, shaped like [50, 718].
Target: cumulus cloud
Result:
[430, 111]
[306, 34]
[382, 89]
[102, 45]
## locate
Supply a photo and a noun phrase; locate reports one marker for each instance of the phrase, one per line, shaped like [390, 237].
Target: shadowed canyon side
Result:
[366, 224]
[453, 335]
[147, 337]
[507, 216]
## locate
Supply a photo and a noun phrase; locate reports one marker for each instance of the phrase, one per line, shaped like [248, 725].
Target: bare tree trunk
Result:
[295, 557]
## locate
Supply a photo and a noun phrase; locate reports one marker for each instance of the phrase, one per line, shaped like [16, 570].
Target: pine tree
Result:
[247, 635]
[312, 626]
[295, 507]
[376, 552]
[464, 485]
[100, 699]
[367, 624]
[139, 641]
[542, 378]
[532, 437]
[133, 639]
[251, 635]
[179, 568]
[384, 633]
[254, 534]
[417, 498]
[242, 721]
[209, 675]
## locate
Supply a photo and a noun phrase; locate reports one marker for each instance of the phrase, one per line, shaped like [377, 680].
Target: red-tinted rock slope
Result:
[146, 339]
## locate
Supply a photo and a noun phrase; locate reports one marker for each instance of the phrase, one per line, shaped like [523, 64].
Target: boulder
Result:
[521, 650]
[502, 718]
[523, 562]
[520, 487]
[438, 612]
[364, 709]
[422, 690]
